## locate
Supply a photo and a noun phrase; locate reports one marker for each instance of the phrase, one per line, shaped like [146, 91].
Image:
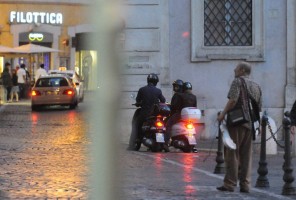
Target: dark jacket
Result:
[6, 79]
[188, 99]
[176, 103]
[182, 100]
[14, 79]
[148, 96]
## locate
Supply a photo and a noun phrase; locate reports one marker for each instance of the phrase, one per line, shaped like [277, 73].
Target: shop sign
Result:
[36, 17]
[36, 37]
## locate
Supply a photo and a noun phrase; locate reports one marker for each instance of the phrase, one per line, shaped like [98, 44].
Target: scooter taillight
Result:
[158, 124]
[189, 126]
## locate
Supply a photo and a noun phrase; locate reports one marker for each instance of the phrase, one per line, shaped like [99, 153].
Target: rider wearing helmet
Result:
[179, 101]
[178, 85]
[188, 99]
[147, 96]
[176, 99]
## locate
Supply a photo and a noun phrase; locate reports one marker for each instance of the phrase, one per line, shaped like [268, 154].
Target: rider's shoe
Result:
[194, 150]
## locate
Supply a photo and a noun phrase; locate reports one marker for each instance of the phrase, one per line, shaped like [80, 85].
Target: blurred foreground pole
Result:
[105, 101]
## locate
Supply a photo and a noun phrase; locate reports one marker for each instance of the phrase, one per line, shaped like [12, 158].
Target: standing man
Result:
[21, 80]
[40, 72]
[147, 96]
[239, 161]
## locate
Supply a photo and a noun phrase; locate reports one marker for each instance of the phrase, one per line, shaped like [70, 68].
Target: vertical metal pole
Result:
[220, 168]
[288, 177]
[262, 180]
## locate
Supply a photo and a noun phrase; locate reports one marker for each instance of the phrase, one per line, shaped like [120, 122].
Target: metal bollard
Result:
[262, 180]
[288, 177]
[220, 168]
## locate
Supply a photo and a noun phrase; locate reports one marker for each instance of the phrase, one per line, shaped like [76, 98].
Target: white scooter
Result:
[183, 133]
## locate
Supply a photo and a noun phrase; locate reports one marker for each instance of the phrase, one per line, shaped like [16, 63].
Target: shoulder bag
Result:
[238, 115]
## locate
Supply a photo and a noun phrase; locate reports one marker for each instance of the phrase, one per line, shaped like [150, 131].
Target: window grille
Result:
[228, 22]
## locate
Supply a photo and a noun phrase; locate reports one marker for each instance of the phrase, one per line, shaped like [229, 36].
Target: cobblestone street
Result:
[46, 155]
[43, 154]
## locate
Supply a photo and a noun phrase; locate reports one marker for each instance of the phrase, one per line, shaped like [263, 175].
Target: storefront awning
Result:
[33, 48]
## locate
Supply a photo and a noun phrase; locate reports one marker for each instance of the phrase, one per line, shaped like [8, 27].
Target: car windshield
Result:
[52, 82]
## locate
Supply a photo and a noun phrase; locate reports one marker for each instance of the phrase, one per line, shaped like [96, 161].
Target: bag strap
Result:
[248, 95]
[251, 110]
[245, 95]
[245, 86]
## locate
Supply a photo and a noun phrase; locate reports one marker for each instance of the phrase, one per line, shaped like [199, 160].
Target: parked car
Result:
[54, 90]
[75, 78]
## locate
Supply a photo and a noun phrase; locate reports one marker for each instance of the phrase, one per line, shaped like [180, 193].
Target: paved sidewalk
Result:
[191, 176]
[274, 166]
[44, 155]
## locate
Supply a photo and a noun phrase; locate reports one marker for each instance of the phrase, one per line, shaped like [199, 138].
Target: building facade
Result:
[201, 41]
[60, 24]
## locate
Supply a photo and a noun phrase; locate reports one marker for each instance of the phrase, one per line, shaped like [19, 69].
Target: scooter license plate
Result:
[191, 140]
[160, 137]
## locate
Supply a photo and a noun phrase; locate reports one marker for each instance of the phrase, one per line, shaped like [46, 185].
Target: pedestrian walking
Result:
[21, 80]
[6, 80]
[239, 161]
[15, 87]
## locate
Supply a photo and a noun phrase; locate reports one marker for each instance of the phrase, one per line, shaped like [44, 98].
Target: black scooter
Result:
[153, 129]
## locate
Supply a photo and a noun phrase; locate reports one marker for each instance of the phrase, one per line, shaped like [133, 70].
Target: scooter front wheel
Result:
[137, 143]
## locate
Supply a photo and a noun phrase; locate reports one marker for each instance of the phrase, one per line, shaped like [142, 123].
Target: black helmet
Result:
[177, 85]
[187, 86]
[152, 78]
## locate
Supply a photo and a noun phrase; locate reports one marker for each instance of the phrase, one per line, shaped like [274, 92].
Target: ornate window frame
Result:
[202, 53]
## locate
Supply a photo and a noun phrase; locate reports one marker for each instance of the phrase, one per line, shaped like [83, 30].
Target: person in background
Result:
[40, 72]
[27, 84]
[15, 87]
[239, 161]
[17, 67]
[21, 80]
[6, 80]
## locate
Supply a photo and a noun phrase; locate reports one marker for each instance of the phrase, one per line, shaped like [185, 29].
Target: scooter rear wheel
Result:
[188, 147]
[156, 147]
